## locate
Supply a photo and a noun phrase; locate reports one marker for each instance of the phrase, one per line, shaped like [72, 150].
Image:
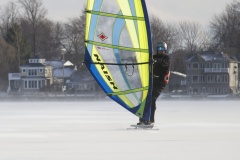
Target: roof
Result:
[196, 58]
[211, 56]
[59, 64]
[35, 61]
[33, 65]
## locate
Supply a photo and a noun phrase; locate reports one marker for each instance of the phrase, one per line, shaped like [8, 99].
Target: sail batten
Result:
[115, 15]
[128, 91]
[118, 52]
[118, 47]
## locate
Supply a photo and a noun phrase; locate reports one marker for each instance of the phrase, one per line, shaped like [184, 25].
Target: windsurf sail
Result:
[118, 52]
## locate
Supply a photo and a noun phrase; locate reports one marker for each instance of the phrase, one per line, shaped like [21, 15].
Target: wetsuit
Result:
[161, 73]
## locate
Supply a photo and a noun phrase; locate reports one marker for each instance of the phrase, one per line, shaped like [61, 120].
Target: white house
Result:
[34, 75]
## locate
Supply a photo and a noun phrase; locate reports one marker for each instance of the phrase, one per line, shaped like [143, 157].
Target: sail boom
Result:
[119, 64]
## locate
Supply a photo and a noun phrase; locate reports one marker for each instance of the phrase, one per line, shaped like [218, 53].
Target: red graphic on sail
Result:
[102, 36]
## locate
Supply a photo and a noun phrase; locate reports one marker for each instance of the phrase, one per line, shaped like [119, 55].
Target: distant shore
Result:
[39, 97]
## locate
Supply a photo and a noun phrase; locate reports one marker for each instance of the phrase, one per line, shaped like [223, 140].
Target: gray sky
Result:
[169, 10]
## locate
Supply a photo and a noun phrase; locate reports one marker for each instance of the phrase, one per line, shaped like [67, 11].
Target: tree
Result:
[12, 33]
[7, 59]
[225, 29]
[15, 38]
[8, 18]
[192, 38]
[73, 39]
[34, 13]
[47, 41]
[163, 32]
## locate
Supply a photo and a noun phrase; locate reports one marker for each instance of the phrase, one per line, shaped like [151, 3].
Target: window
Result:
[209, 79]
[217, 67]
[210, 90]
[195, 79]
[208, 65]
[25, 84]
[225, 78]
[217, 79]
[189, 79]
[203, 79]
[225, 65]
[39, 84]
[195, 65]
[212, 78]
[32, 84]
[23, 70]
[32, 72]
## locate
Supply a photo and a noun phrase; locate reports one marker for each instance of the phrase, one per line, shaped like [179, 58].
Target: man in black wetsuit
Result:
[161, 73]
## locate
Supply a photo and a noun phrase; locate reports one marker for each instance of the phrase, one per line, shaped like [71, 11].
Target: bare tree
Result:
[226, 29]
[12, 33]
[8, 18]
[163, 32]
[47, 41]
[34, 13]
[73, 41]
[192, 37]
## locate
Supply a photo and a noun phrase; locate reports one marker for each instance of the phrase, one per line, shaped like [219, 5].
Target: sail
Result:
[118, 52]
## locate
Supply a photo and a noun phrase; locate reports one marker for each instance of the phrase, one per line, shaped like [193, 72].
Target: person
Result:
[161, 74]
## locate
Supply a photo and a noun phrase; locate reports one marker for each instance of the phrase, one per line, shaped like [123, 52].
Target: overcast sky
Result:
[200, 11]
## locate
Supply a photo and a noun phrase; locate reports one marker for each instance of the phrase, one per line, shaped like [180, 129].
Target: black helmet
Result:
[162, 46]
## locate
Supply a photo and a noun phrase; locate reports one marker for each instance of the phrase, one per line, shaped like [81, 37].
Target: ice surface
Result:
[193, 130]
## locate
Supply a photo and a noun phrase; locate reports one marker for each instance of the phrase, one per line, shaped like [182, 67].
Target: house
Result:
[33, 76]
[82, 82]
[212, 73]
[62, 72]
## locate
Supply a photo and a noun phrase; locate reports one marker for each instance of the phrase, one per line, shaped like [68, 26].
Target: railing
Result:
[216, 70]
[14, 76]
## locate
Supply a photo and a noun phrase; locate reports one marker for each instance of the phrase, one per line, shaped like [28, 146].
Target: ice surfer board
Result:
[143, 127]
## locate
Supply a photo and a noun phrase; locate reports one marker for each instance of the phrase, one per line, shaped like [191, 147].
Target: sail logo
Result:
[105, 72]
[102, 36]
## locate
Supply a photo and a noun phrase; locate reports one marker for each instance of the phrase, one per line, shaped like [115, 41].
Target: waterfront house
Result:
[212, 73]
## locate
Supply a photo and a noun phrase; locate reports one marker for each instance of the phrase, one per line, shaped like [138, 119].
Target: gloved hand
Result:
[166, 77]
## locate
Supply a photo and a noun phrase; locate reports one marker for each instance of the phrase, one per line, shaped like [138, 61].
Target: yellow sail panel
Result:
[107, 76]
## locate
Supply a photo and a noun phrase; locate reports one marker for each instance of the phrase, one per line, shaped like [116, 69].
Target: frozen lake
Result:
[193, 130]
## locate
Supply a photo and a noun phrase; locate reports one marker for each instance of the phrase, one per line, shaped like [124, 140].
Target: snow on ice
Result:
[188, 130]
